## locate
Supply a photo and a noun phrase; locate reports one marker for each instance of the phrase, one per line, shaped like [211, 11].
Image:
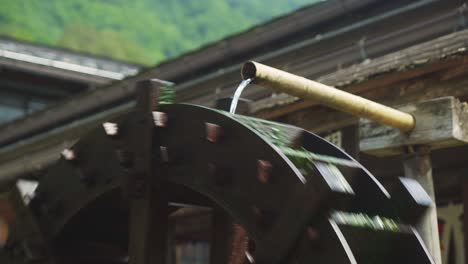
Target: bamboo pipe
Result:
[285, 82]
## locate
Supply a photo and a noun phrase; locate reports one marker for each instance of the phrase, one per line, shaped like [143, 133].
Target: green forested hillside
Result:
[142, 31]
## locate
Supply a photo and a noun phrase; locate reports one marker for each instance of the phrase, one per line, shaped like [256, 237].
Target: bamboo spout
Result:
[285, 82]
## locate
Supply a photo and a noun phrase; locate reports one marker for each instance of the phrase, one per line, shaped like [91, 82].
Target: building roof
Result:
[61, 62]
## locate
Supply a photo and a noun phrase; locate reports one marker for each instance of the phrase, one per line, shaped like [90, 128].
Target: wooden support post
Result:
[417, 165]
[148, 197]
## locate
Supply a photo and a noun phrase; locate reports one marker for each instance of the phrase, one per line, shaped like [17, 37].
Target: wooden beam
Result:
[439, 124]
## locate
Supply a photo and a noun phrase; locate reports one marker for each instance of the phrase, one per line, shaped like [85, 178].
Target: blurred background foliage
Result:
[140, 31]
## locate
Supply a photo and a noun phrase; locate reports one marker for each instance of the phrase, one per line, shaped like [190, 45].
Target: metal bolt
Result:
[27, 189]
[159, 119]
[264, 171]
[213, 132]
[111, 129]
[68, 154]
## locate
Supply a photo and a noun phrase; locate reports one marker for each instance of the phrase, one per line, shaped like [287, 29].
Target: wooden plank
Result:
[417, 165]
[439, 124]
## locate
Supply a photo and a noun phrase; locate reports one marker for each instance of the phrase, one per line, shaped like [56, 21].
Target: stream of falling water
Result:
[237, 94]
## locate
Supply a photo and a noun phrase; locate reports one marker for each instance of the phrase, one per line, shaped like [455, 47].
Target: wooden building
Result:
[393, 52]
[33, 76]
